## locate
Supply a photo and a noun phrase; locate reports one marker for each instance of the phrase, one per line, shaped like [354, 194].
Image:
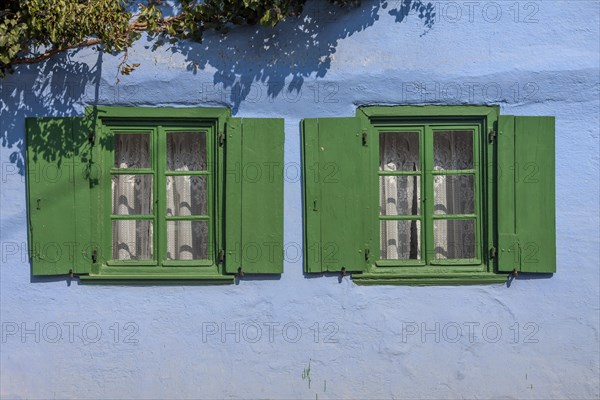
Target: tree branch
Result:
[134, 26]
[50, 53]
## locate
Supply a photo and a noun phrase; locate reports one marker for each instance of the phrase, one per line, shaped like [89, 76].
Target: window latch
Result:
[492, 136]
[221, 139]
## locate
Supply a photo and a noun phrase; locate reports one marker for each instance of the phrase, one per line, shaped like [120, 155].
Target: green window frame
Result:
[77, 210]
[344, 213]
[158, 130]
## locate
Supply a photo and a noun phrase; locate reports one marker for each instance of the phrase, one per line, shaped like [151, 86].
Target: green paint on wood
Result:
[336, 203]
[58, 195]
[312, 195]
[233, 195]
[526, 199]
[514, 199]
[254, 195]
[73, 207]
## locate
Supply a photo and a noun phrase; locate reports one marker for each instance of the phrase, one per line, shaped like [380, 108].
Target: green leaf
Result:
[37, 25]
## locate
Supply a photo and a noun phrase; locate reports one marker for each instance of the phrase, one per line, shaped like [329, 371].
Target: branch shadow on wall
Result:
[282, 58]
[55, 88]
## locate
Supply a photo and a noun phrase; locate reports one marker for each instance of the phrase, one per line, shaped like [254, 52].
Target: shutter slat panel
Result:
[535, 219]
[254, 195]
[526, 195]
[55, 149]
[233, 195]
[312, 196]
[84, 186]
[342, 177]
[508, 246]
[262, 195]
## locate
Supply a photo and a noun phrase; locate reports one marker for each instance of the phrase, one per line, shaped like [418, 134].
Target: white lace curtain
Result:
[132, 195]
[400, 195]
[186, 196]
[453, 194]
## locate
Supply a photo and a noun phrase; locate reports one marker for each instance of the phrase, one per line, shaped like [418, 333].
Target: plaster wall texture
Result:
[542, 61]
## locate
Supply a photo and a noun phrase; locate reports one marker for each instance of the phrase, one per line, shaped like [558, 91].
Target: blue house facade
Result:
[315, 332]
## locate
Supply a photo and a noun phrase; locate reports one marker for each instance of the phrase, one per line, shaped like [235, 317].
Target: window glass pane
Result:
[132, 240]
[186, 195]
[453, 194]
[400, 240]
[131, 194]
[187, 240]
[454, 238]
[186, 151]
[453, 150]
[399, 151]
[132, 150]
[400, 195]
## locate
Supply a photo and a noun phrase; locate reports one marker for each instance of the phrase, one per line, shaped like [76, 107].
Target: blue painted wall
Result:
[531, 58]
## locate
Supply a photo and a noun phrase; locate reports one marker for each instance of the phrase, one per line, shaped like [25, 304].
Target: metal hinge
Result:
[221, 255]
[492, 136]
[367, 253]
[221, 139]
[364, 138]
[493, 252]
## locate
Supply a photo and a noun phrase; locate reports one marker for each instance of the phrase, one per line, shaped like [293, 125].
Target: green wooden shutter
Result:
[336, 195]
[58, 196]
[254, 195]
[526, 205]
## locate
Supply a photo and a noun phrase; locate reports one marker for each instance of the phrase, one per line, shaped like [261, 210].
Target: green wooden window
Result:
[429, 195]
[156, 194]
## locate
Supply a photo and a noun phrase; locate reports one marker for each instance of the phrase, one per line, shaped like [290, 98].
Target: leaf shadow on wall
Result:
[59, 88]
[254, 61]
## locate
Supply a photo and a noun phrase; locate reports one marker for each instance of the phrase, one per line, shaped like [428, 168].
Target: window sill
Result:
[158, 279]
[440, 279]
